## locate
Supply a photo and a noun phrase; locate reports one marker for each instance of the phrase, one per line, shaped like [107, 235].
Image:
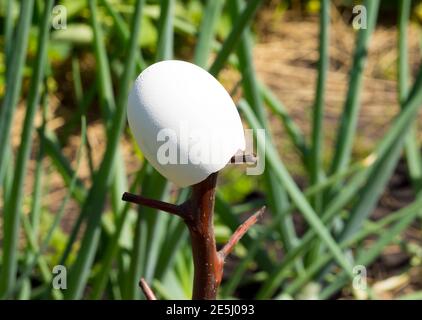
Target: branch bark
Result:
[208, 265]
[240, 232]
[198, 215]
[149, 294]
[156, 204]
[241, 157]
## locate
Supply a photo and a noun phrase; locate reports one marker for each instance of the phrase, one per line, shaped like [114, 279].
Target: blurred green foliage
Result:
[107, 245]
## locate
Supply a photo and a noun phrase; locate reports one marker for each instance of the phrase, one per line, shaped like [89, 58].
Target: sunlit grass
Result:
[110, 245]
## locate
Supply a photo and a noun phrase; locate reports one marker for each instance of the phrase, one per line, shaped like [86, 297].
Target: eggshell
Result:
[184, 121]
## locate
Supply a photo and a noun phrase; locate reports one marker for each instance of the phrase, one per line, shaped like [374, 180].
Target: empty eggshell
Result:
[184, 121]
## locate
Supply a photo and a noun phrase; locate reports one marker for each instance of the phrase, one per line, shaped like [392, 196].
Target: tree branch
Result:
[241, 157]
[240, 232]
[147, 290]
[197, 213]
[208, 265]
[155, 204]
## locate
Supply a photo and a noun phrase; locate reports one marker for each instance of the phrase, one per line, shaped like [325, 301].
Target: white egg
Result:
[184, 121]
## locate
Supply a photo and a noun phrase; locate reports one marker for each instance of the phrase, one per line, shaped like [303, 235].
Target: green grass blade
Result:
[77, 81]
[366, 256]
[58, 216]
[359, 171]
[53, 150]
[96, 197]
[63, 165]
[278, 200]
[382, 171]
[206, 31]
[403, 59]
[37, 192]
[386, 144]
[8, 176]
[175, 237]
[165, 30]
[113, 244]
[173, 241]
[109, 105]
[349, 116]
[148, 235]
[406, 214]
[235, 35]
[157, 222]
[332, 210]
[296, 195]
[282, 271]
[123, 32]
[352, 170]
[150, 223]
[146, 249]
[12, 219]
[104, 76]
[294, 132]
[317, 150]
[317, 147]
[14, 84]
[8, 31]
[80, 99]
[413, 154]
[158, 187]
[138, 257]
[42, 263]
[389, 151]
[239, 273]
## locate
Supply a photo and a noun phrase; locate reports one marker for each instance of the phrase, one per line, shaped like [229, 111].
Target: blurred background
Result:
[62, 175]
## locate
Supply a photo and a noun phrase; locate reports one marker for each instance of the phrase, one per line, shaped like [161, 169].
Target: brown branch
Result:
[155, 204]
[147, 290]
[208, 265]
[198, 214]
[241, 157]
[240, 232]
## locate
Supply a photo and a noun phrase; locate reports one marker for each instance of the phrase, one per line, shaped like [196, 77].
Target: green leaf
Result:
[302, 204]
[13, 211]
[103, 178]
[75, 33]
[350, 112]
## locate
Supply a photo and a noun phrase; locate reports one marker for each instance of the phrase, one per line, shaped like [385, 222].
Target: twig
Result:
[208, 265]
[240, 232]
[147, 290]
[198, 213]
[244, 158]
[156, 204]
